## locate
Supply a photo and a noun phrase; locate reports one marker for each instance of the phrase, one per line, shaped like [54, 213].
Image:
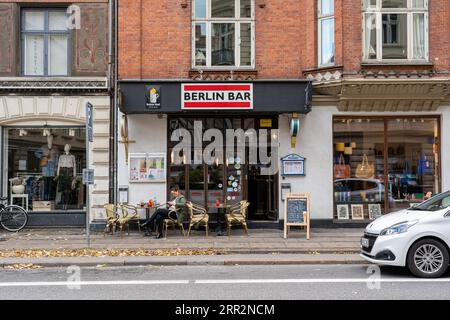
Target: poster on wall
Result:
[147, 167]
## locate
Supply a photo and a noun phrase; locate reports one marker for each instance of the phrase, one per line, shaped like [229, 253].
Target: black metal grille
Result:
[372, 238]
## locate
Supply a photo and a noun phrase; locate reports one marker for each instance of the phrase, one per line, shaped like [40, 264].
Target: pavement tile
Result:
[258, 240]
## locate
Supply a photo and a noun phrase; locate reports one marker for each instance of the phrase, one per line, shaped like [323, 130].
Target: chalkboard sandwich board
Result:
[296, 212]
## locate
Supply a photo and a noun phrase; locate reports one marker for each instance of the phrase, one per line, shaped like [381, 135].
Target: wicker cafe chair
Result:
[175, 220]
[133, 212]
[238, 215]
[198, 216]
[125, 217]
[111, 218]
[236, 206]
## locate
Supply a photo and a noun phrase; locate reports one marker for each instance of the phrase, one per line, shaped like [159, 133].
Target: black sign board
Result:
[269, 96]
[296, 212]
[153, 97]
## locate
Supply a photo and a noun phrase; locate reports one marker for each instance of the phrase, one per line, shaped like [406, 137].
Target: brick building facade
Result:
[380, 75]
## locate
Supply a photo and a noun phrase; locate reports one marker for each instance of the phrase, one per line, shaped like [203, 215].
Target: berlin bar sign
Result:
[221, 96]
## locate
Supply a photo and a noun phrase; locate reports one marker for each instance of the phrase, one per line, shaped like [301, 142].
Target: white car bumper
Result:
[387, 250]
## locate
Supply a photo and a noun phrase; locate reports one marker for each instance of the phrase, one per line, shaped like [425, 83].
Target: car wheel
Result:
[428, 258]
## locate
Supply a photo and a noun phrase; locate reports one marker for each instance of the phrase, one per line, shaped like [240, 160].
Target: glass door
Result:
[413, 167]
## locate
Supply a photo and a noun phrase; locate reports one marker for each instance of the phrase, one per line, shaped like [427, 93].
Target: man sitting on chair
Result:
[176, 205]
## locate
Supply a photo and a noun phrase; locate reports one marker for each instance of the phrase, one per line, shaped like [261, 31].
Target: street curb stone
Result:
[186, 261]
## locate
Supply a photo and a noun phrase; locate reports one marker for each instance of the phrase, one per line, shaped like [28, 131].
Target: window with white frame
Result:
[395, 30]
[325, 10]
[45, 42]
[223, 34]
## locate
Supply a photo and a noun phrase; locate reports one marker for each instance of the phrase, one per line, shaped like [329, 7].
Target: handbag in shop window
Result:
[365, 170]
[342, 170]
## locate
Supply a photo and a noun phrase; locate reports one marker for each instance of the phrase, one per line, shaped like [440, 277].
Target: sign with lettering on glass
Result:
[297, 212]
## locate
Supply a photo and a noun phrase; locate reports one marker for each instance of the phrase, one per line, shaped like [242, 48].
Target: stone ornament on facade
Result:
[6, 36]
[92, 40]
[65, 84]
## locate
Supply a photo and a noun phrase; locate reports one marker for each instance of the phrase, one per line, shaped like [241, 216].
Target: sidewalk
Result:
[262, 246]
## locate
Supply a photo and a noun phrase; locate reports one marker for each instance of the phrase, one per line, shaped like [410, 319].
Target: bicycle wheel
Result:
[13, 218]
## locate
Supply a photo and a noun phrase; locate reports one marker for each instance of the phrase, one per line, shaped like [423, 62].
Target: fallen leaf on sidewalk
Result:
[36, 253]
[22, 266]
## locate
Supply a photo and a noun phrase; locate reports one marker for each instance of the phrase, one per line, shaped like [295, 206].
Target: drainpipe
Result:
[116, 97]
[112, 5]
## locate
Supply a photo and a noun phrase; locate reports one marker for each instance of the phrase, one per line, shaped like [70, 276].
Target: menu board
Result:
[297, 212]
[147, 167]
[295, 209]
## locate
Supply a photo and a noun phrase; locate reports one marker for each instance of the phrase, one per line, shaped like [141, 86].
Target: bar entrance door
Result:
[229, 179]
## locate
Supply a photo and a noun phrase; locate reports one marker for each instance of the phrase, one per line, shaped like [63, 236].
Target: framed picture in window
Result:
[342, 212]
[357, 212]
[374, 211]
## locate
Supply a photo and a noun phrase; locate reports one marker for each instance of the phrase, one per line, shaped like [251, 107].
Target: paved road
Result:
[220, 282]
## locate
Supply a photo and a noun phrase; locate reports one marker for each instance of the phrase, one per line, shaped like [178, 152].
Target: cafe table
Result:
[221, 211]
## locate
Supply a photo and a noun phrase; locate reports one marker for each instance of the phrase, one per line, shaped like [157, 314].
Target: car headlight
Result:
[398, 228]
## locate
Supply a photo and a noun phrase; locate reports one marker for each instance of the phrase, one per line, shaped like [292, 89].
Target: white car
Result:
[417, 238]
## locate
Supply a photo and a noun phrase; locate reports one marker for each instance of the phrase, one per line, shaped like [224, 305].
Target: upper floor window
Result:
[395, 30]
[223, 34]
[45, 42]
[326, 32]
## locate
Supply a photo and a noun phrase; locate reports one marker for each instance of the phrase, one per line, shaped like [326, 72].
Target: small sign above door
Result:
[265, 123]
[217, 96]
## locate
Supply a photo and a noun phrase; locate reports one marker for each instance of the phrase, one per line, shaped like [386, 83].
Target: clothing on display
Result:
[66, 176]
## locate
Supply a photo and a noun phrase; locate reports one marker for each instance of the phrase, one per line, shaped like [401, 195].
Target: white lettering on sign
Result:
[217, 96]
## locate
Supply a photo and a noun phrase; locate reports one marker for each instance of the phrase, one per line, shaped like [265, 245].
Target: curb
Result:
[179, 261]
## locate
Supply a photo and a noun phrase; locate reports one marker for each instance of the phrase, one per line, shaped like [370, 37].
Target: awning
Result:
[264, 96]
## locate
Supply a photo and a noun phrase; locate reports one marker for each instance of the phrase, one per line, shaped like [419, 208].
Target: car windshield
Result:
[436, 203]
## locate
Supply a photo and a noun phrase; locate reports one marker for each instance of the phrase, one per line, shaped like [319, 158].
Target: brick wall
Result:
[155, 38]
[164, 32]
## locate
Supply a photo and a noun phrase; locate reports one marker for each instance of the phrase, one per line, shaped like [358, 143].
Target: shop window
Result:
[223, 34]
[395, 30]
[372, 178]
[45, 42]
[47, 166]
[326, 32]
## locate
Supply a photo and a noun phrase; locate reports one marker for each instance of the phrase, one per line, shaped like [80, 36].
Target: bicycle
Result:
[12, 218]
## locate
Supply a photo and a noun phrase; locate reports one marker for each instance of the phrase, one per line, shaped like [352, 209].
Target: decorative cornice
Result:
[40, 84]
[380, 95]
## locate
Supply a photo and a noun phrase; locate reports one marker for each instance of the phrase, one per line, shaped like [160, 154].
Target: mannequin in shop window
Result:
[66, 176]
[48, 159]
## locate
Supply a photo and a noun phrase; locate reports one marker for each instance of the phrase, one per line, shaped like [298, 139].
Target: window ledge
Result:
[223, 74]
[324, 68]
[396, 63]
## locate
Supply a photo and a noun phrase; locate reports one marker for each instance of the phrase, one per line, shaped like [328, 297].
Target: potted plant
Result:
[18, 185]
